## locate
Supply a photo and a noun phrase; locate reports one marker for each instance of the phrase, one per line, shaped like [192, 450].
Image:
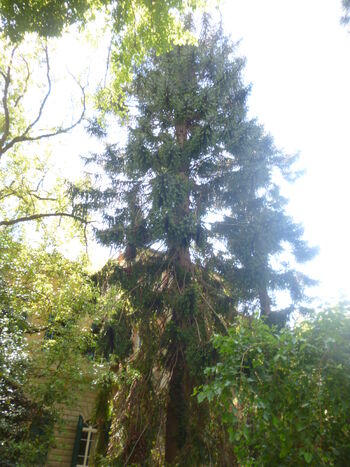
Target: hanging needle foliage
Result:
[192, 157]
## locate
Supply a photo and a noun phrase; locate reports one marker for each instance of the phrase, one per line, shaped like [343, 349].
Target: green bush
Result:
[284, 395]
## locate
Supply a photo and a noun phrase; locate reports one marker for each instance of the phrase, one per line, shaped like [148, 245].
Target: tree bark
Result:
[180, 389]
[265, 302]
[177, 411]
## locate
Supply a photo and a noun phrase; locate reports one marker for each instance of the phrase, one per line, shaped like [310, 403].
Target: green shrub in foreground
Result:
[284, 395]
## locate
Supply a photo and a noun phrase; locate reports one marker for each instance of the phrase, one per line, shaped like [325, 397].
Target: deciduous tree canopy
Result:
[136, 27]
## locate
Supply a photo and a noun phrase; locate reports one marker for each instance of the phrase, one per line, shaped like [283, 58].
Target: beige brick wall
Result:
[60, 454]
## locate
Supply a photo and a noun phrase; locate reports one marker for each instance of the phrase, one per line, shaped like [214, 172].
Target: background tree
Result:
[136, 26]
[255, 228]
[41, 317]
[15, 408]
[28, 189]
[15, 126]
[44, 300]
[189, 143]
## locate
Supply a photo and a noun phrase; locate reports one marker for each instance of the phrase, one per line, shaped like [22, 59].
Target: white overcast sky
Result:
[298, 62]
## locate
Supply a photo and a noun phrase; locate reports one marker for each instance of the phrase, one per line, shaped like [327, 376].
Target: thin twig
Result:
[108, 60]
[25, 136]
[26, 81]
[214, 312]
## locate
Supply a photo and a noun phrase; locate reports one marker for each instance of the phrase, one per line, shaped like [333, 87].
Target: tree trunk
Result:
[180, 389]
[177, 411]
[265, 302]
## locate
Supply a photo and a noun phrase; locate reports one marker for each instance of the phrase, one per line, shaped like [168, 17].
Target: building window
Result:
[83, 444]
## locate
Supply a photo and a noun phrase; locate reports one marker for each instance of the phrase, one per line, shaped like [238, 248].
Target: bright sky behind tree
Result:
[298, 62]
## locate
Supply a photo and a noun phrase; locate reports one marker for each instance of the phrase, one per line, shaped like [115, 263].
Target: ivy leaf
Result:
[307, 457]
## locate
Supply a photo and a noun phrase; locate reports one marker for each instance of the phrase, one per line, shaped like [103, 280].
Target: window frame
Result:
[90, 430]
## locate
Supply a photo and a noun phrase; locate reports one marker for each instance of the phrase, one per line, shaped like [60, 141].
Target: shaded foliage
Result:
[282, 394]
[43, 301]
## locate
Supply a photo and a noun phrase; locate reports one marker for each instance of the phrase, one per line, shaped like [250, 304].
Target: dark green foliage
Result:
[48, 18]
[191, 152]
[114, 337]
[283, 394]
[256, 229]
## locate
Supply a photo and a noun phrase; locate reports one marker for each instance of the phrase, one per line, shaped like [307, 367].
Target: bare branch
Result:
[43, 102]
[34, 329]
[7, 191]
[108, 60]
[22, 138]
[7, 78]
[26, 81]
[6, 195]
[42, 216]
[42, 198]
[25, 136]
[11, 193]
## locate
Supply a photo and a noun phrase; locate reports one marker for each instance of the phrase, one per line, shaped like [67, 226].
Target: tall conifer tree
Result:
[191, 152]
